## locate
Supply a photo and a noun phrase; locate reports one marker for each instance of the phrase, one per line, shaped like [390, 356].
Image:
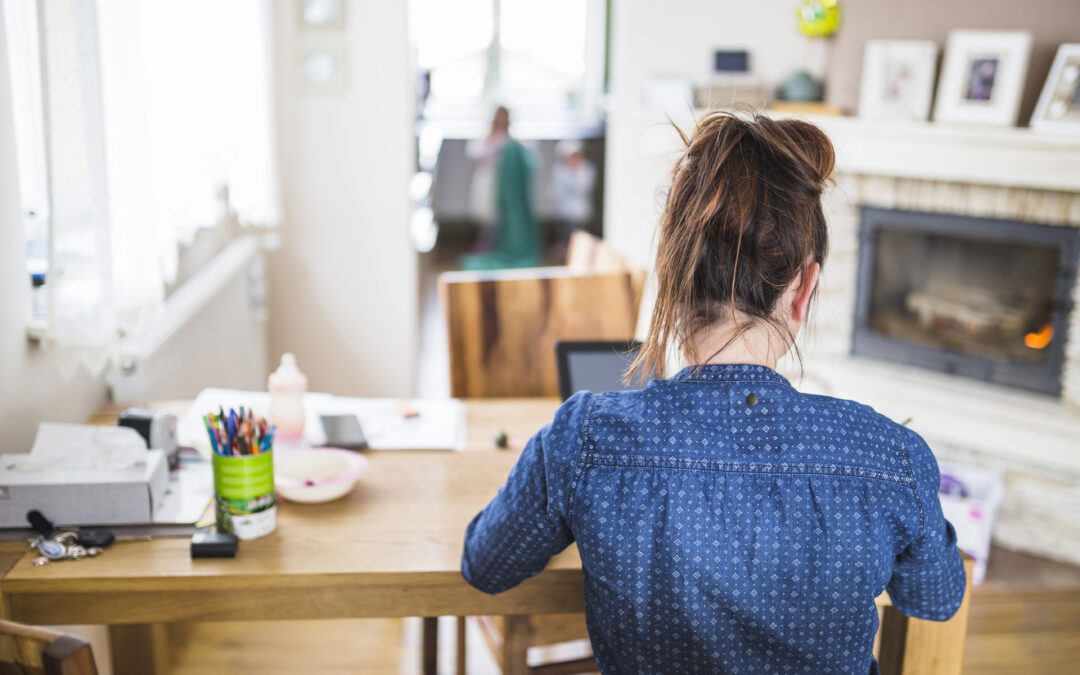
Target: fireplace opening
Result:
[977, 297]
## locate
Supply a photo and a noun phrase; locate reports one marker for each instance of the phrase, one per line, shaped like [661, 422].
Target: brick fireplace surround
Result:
[1032, 439]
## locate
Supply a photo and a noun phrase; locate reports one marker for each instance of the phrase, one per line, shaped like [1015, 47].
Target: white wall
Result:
[675, 37]
[344, 282]
[31, 388]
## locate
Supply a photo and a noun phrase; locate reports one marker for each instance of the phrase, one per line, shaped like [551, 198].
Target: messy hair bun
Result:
[743, 218]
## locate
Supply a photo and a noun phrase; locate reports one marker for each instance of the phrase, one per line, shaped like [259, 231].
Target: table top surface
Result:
[406, 517]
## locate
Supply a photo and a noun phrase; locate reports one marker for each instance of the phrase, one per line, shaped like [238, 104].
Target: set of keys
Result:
[62, 546]
[65, 544]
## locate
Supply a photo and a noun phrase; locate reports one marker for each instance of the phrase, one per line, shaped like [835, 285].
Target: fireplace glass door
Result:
[974, 297]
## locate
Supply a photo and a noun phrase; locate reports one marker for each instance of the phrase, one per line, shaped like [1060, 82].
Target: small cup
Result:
[245, 503]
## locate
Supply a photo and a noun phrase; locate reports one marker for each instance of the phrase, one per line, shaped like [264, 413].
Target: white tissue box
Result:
[83, 497]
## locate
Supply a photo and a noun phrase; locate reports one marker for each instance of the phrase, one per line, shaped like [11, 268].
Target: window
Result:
[24, 63]
[543, 60]
[137, 125]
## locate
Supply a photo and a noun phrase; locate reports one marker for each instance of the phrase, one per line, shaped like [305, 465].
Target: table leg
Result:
[431, 645]
[516, 633]
[140, 648]
[893, 636]
[460, 646]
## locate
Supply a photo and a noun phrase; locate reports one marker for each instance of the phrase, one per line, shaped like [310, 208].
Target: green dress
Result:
[518, 241]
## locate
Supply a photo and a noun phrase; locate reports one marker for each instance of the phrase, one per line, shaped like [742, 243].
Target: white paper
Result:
[190, 489]
[439, 426]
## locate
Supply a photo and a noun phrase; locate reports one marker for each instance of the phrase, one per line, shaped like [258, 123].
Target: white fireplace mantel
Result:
[1007, 157]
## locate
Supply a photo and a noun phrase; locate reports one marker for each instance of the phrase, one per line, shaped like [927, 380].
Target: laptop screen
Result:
[594, 365]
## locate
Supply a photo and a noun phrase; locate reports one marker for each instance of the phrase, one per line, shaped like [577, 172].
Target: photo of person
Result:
[1059, 103]
[1065, 102]
[981, 80]
[898, 81]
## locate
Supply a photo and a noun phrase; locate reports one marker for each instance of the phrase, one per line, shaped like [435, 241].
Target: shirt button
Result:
[751, 400]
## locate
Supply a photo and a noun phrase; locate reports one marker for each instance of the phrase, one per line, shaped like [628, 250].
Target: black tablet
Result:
[595, 365]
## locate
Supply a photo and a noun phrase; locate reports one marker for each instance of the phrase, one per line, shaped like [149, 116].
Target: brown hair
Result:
[743, 218]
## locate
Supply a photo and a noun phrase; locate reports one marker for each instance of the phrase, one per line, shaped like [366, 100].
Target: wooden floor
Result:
[1003, 638]
[339, 647]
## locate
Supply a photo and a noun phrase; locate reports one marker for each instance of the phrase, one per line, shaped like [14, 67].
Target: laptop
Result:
[595, 365]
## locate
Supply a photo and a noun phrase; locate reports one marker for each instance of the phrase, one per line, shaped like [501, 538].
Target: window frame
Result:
[588, 114]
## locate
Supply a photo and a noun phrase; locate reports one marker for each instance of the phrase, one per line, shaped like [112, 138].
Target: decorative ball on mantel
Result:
[819, 18]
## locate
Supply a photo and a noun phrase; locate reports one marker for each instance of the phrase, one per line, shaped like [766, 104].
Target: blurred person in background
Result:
[572, 181]
[501, 199]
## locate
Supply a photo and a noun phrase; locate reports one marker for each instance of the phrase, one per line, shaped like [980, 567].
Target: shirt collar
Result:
[730, 372]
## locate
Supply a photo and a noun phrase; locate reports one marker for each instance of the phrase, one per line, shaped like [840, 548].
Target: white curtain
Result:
[81, 312]
[175, 125]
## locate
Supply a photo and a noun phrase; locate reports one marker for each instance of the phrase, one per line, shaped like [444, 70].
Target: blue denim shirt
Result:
[726, 523]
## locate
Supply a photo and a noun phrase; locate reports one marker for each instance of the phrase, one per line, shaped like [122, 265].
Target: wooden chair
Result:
[908, 646]
[36, 651]
[502, 327]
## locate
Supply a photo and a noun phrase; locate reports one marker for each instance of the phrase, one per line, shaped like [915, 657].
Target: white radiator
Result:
[212, 334]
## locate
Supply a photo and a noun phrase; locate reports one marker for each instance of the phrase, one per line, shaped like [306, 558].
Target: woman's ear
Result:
[801, 289]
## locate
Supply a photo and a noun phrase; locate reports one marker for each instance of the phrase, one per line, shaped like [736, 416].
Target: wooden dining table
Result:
[390, 548]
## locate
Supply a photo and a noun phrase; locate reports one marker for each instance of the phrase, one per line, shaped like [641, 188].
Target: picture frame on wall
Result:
[321, 14]
[897, 80]
[983, 77]
[321, 67]
[1058, 108]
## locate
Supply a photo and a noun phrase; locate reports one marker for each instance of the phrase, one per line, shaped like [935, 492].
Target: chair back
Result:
[587, 253]
[31, 651]
[502, 325]
[590, 255]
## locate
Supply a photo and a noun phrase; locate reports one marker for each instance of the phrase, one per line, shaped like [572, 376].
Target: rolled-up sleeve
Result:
[928, 578]
[526, 523]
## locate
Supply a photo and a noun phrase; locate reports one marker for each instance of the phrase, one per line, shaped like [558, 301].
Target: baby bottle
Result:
[287, 386]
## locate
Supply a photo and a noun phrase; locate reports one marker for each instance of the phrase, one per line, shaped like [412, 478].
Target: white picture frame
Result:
[1058, 109]
[321, 14]
[982, 77]
[898, 80]
[322, 67]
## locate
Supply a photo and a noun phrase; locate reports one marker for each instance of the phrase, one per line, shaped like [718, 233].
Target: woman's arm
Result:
[526, 523]
[928, 578]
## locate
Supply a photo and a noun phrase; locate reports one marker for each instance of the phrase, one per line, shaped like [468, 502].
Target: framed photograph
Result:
[1059, 104]
[898, 80]
[983, 77]
[321, 14]
[322, 67]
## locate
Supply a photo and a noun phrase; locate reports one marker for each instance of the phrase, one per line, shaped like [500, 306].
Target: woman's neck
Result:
[758, 344]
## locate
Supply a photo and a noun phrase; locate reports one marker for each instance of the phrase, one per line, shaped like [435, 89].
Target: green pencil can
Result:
[244, 500]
